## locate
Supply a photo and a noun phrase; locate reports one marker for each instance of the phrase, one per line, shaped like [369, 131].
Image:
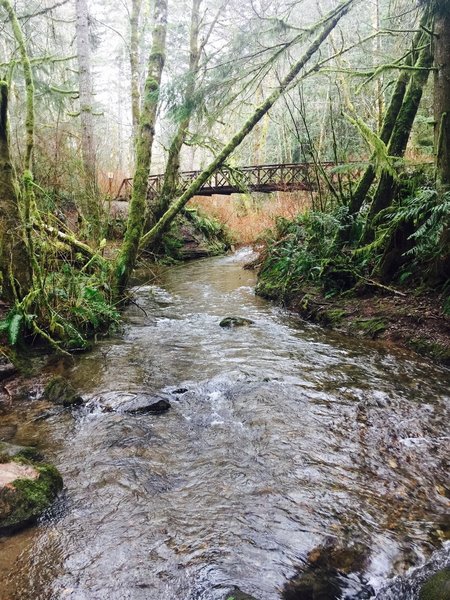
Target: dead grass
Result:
[248, 216]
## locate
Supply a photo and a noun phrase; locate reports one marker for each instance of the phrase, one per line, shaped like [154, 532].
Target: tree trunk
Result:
[389, 121]
[14, 264]
[144, 144]
[134, 63]
[86, 101]
[329, 24]
[400, 135]
[169, 187]
[442, 119]
[442, 97]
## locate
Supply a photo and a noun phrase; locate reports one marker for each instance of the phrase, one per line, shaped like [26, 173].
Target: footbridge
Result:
[257, 178]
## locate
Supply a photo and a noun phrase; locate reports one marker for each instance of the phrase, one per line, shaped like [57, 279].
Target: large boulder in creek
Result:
[230, 322]
[27, 486]
[60, 391]
[437, 587]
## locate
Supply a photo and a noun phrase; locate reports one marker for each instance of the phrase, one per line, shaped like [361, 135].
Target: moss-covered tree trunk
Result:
[442, 119]
[169, 187]
[389, 121]
[442, 94]
[144, 144]
[15, 273]
[26, 267]
[88, 150]
[134, 63]
[400, 135]
[327, 27]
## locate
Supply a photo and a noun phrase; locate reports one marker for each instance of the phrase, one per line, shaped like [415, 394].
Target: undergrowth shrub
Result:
[304, 251]
[65, 307]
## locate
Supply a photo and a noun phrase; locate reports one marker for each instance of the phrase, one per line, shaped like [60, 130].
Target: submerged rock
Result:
[60, 391]
[237, 594]
[7, 432]
[235, 322]
[330, 569]
[180, 391]
[27, 487]
[155, 408]
[436, 587]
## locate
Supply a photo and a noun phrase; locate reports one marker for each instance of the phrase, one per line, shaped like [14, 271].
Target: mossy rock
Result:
[237, 594]
[27, 488]
[330, 318]
[60, 391]
[10, 452]
[437, 587]
[371, 327]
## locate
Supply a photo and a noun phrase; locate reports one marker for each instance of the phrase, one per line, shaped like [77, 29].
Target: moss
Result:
[370, 327]
[434, 350]
[331, 318]
[20, 454]
[60, 391]
[237, 594]
[437, 587]
[22, 501]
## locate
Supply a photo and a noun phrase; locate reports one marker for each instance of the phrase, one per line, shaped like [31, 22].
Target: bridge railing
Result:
[263, 178]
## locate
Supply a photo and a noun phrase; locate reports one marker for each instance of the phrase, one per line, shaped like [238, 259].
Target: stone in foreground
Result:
[27, 487]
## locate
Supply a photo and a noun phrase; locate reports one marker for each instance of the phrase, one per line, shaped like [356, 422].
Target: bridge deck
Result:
[256, 178]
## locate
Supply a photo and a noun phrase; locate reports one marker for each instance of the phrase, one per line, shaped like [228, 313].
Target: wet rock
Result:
[436, 587]
[7, 369]
[60, 391]
[237, 594]
[27, 487]
[12, 451]
[330, 569]
[155, 408]
[230, 322]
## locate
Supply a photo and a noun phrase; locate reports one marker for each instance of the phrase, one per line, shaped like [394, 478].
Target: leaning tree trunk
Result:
[153, 236]
[15, 273]
[400, 135]
[171, 175]
[86, 106]
[144, 144]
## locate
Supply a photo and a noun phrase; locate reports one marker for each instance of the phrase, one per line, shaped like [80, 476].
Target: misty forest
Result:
[224, 299]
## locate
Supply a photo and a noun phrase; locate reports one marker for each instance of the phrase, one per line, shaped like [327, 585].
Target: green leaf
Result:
[15, 326]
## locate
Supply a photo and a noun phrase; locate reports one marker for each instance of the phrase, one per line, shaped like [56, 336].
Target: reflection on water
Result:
[282, 439]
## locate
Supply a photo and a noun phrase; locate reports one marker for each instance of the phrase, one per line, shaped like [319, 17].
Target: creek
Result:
[284, 442]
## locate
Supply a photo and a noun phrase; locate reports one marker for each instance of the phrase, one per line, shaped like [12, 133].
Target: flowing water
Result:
[286, 445]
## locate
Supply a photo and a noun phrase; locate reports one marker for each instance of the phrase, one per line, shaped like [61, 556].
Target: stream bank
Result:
[414, 321]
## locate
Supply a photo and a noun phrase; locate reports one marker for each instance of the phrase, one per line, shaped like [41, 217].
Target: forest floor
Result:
[406, 319]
